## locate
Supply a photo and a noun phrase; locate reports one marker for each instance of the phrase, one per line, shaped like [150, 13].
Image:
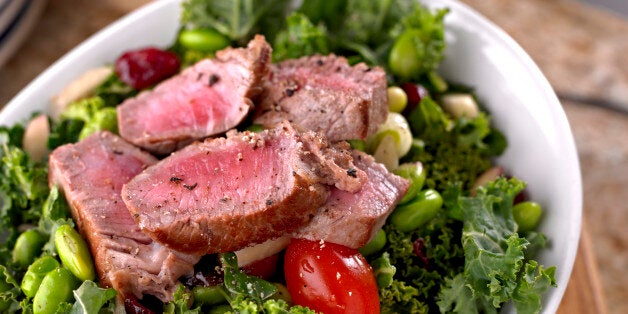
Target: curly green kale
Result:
[366, 30]
[82, 118]
[419, 262]
[497, 265]
[23, 187]
[238, 20]
[452, 152]
[300, 38]
[113, 91]
[242, 293]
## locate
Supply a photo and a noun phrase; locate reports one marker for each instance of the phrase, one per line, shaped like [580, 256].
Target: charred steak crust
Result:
[325, 94]
[353, 219]
[206, 99]
[225, 194]
[91, 174]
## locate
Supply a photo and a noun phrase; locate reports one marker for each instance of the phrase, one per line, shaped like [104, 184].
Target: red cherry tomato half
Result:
[330, 278]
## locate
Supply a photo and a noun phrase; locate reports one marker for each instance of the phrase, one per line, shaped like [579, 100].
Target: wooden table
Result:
[551, 31]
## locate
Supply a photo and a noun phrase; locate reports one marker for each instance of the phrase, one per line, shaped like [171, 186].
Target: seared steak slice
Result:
[91, 174]
[352, 219]
[326, 94]
[208, 98]
[228, 193]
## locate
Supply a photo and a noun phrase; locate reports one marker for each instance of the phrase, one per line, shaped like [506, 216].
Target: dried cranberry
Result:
[207, 272]
[415, 93]
[135, 306]
[420, 250]
[145, 67]
[264, 268]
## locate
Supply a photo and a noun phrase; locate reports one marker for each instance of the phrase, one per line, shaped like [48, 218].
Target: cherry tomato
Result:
[330, 278]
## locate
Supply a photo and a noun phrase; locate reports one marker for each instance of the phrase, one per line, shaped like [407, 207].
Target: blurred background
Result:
[580, 45]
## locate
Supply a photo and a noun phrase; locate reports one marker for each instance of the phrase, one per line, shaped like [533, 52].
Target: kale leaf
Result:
[90, 298]
[419, 261]
[238, 20]
[300, 38]
[497, 266]
[23, 188]
[452, 152]
[82, 118]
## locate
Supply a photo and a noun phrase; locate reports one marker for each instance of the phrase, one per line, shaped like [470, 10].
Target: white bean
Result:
[257, 252]
[386, 153]
[460, 105]
[36, 137]
[397, 127]
[487, 176]
[81, 87]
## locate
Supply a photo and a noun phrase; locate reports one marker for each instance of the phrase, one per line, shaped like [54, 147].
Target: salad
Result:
[461, 240]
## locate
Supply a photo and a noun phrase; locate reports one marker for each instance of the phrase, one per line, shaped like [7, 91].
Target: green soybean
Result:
[221, 309]
[35, 274]
[404, 59]
[423, 208]
[74, 253]
[416, 174]
[203, 40]
[212, 295]
[527, 215]
[397, 99]
[55, 288]
[358, 144]
[282, 293]
[27, 247]
[375, 245]
[255, 128]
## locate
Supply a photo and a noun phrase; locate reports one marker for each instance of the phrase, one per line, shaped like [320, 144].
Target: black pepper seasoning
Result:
[352, 172]
[213, 79]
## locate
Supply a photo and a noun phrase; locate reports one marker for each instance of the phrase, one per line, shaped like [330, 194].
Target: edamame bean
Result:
[405, 55]
[527, 215]
[212, 295]
[221, 309]
[255, 128]
[36, 273]
[375, 245]
[423, 208]
[74, 253]
[55, 288]
[27, 247]
[357, 144]
[415, 173]
[397, 99]
[282, 293]
[203, 40]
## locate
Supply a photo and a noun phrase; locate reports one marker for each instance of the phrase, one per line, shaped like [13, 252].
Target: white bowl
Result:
[541, 147]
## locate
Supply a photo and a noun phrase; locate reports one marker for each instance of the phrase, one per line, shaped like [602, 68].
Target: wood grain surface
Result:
[581, 51]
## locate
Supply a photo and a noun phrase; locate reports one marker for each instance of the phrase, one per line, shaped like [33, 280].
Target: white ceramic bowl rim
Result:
[542, 151]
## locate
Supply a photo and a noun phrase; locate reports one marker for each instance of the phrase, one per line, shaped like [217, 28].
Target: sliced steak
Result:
[228, 193]
[326, 94]
[91, 174]
[208, 98]
[352, 219]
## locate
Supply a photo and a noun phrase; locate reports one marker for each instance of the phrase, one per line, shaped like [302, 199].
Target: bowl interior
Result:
[541, 148]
